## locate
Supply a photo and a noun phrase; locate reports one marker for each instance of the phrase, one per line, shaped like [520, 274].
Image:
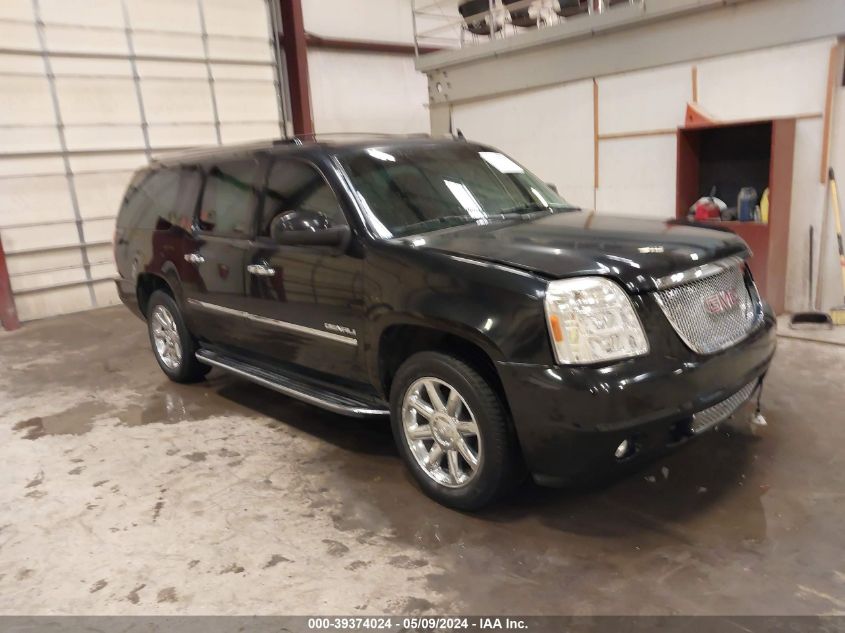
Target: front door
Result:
[308, 299]
[215, 295]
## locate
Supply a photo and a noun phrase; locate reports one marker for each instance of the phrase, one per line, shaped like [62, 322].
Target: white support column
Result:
[209, 72]
[136, 78]
[60, 129]
[275, 31]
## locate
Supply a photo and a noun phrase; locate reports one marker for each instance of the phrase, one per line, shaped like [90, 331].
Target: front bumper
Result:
[569, 420]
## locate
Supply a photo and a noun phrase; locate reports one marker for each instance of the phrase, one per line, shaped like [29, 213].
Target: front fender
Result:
[474, 335]
[428, 324]
[497, 309]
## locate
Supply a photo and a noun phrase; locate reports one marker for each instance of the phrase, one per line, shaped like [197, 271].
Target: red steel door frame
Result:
[296, 60]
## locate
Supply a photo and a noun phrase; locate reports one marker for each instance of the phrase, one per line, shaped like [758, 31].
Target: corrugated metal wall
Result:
[89, 89]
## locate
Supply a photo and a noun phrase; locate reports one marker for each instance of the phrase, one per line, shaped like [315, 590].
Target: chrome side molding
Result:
[293, 327]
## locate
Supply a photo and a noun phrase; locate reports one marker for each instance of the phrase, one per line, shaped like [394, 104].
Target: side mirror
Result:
[307, 228]
[552, 186]
[298, 221]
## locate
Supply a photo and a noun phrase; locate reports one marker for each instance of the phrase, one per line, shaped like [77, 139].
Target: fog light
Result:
[622, 449]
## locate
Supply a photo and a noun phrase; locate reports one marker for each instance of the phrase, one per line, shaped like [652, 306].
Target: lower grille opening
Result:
[720, 412]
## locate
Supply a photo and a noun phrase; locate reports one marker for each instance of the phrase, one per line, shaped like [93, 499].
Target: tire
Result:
[164, 320]
[494, 446]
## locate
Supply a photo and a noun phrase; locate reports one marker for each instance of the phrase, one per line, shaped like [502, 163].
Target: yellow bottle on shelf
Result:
[764, 206]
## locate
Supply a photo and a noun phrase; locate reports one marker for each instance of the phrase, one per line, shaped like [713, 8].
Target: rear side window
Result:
[157, 200]
[190, 183]
[130, 207]
[229, 199]
[151, 202]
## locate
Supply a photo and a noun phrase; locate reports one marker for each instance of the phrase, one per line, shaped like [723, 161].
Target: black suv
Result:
[440, 283]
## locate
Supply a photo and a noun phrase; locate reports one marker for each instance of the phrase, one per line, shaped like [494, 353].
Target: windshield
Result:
[419, 188]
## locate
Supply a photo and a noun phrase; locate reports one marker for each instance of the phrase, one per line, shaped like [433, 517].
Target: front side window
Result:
[419, 188]
[293, 185]
[229, 199]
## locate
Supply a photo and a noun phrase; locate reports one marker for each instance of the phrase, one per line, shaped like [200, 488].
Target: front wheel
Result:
[452, 430]
[172, 343]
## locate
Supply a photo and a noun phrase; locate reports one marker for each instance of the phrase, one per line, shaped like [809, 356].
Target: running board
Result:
[293, 386]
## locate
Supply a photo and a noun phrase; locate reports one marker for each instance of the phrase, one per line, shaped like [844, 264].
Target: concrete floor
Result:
[121, 492]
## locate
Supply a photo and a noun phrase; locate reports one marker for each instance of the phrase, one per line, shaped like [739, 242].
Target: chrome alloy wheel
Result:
[441, 432]
[166, 337]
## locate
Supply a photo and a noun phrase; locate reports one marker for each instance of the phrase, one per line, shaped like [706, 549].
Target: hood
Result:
[567, 244]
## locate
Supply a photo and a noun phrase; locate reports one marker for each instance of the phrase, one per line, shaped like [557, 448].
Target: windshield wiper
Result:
[433, 222]
[448, 221]
[535, 207]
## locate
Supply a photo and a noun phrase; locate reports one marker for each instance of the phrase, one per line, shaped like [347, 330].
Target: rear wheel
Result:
[172, 343]
[452, 431]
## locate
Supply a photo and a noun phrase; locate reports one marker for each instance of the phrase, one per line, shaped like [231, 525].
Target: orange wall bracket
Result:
[696, 116]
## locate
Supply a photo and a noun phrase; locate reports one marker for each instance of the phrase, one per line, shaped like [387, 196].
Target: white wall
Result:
[100, 109]
[362, 91]
[367, 92]
[550, 130]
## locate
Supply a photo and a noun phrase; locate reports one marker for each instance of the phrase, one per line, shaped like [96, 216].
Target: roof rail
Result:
[209, 151]
[314, 135]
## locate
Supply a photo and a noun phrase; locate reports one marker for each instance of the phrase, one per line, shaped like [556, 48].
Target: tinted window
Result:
[229, 199]
[132, 203]
[420, 188]
[190, 182]
[151, 201]
[294, 185]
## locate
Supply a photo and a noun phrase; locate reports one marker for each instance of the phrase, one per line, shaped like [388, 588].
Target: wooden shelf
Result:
[734, 155]
[732, 224]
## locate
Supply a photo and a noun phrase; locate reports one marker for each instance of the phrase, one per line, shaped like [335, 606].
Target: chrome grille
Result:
[715, 309]
[726, 408]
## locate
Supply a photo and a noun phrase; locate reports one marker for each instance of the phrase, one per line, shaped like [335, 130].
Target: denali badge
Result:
[720, 302]
[340, 328]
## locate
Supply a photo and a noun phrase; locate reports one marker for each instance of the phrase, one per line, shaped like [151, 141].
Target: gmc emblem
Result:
[720, 302]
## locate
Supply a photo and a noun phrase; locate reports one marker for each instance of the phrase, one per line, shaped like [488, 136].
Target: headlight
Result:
[592, 320]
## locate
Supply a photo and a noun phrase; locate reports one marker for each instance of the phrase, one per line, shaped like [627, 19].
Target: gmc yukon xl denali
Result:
[438, 282]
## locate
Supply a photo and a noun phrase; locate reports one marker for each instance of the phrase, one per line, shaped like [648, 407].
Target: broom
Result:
[811, 318]
[837, 313]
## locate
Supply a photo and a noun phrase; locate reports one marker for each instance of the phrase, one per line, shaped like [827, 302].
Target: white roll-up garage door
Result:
[89, 90]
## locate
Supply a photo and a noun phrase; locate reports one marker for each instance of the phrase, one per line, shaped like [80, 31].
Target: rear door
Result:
[215, 291]
[308, 299]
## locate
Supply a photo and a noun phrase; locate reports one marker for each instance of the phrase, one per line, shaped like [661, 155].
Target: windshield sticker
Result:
[539, 197]
[464, 196]
[380, 155]
[501, 162]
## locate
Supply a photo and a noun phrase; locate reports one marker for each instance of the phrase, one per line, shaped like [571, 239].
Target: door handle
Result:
[194, 258]
[262, 270]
